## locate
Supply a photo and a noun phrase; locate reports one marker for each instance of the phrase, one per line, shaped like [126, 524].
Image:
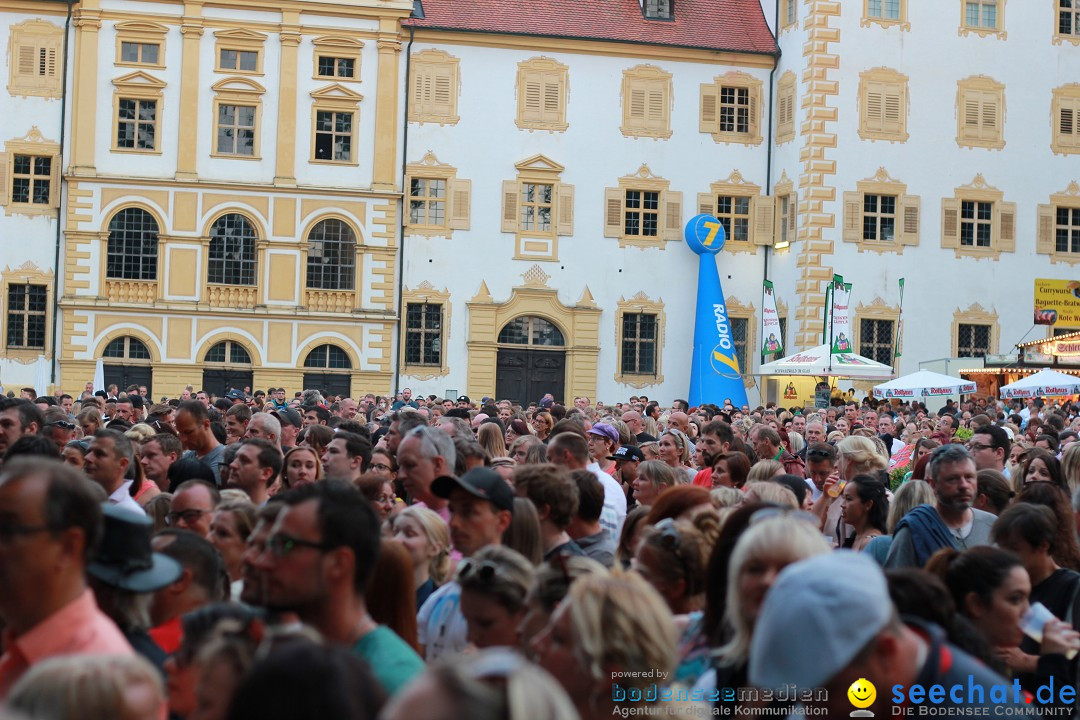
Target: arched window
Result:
[232, 251]
[328, 357]
[133, 246]
[229, 353]
[528, 330]
[331, 261]
[127, 348]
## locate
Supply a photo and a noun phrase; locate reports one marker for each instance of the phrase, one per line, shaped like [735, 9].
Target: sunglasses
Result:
[484, 570]
[281, 545]
[61, 424]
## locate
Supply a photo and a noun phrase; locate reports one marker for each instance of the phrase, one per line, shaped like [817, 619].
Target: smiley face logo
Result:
[862, 693]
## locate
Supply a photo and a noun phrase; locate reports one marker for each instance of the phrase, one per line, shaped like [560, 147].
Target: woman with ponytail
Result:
[427, 538]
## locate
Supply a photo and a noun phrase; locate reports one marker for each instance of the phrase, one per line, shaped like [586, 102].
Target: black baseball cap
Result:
[481, 482]
[628, 452]
[465, 399]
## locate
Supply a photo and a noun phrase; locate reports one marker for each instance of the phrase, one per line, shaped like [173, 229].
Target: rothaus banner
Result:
[841, 316]
[772, 339]
[715, 375]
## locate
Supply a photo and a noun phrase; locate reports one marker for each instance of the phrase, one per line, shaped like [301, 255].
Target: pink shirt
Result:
[78, 628]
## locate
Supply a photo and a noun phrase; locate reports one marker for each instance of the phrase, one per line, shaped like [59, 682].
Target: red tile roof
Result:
[732, 25]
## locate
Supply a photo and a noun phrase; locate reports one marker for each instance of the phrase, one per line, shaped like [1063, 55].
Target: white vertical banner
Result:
[841, 316]
[772, 339]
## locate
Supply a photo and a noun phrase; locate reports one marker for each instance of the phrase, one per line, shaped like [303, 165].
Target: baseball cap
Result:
[464, 399]
[628, 452]
[235, 395]
[605, 430]
[842, 603]
[288, 416]
[546, 403]
[481, 482]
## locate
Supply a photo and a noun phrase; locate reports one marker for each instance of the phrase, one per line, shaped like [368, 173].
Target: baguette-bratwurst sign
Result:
[1057, 302]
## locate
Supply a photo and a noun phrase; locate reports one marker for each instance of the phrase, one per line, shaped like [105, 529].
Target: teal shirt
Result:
[393, 663]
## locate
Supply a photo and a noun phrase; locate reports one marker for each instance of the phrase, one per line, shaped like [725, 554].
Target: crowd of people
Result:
[258, 556]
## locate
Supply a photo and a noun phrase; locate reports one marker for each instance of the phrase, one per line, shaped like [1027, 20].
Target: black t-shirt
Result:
[644, 437]
[1057, 592]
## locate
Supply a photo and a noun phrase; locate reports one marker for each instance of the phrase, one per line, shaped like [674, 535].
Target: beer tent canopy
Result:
[821, 363]
[1045, 383]
[923, 384]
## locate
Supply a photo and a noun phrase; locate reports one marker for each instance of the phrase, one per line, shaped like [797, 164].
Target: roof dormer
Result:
[658, 9]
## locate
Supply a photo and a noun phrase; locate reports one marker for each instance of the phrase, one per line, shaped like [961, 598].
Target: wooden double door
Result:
[524, 375]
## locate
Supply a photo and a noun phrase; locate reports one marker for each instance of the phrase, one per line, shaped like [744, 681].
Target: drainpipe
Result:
[60, 201]
[401, 242]
[769, 141]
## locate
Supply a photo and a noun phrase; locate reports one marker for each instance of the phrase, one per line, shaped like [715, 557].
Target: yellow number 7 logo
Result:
[713, 229]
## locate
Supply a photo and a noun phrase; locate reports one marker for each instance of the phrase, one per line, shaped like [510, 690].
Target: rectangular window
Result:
[740, 329]
[241, 60]
[536, 205]
[333, 135]
[31, 178]
[976, 223]
[972, 340]
[981, 14]
[879, 218]
[658, 9]
[337, 67]
[883, 9]
[876, 340]
[789, 12]
[1067, 230]
[423, 334]
[542, 98]
[1067, 137]
[26, 314]
[236, 130]
[139, 53]
[136, 124]
[733, 212]
[641, 213]
[639, 344]
[1068, 17]
[734, 109]
[785, 219]
[427, 202]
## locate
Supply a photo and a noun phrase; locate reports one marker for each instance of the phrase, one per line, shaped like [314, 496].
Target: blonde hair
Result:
[773, 537]
[659, 473]
[772, 493]
[1070, 467]
[621, 621]
[725, 497]
[508, 586]
[764, 470]
[83, 686]
[908, 497]
[650, 447]
[682, 442]
[492, 440]
[298, 449]
[139, 432]
[437, 533]
[796, 441]
[862, 456]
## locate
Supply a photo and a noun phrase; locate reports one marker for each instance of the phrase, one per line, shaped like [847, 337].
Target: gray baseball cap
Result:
[817, 617]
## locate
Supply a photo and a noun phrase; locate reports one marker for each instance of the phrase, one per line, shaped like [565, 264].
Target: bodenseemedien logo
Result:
[862, 694]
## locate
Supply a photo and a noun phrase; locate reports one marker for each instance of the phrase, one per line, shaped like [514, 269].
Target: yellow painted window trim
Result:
[640, 304]
[789, 14]
[979, 191]
[668, 213]
[1066, 94]
[710, 123]
[646, 79]
[975, 314]
[431, 63]
[548, 72]
[736, 309]
[337, 47]
[785, 187]
[982, 85]
[786, 107]
[429, 168]
[34, 144]
[900, 22]
[242, 92]
[138, 86]
[543, 171]
[997, 32]
[878, 309]
[339, 99]
[1046, 230]
[40, 35]
[895, 86]
[907, 217]
[143, 33]
[426, 293]
[239, 40]
[27, 274]
[736, 186]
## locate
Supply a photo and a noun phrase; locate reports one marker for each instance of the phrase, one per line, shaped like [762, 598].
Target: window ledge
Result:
[989, 253]
[983, 144]
[964, 31]
[904, 25]
[429, 231]
[135, 151]
[425, 372]
[158, 66]
[1059, 39]
[31, 210]
[1062, 257]
[650, 134]
[635, 241]
[740, 246]
[881, 247]
[337, 163]
[435, 119]
[548, 127]
[226, 156]
[638, 381]
[1060, 149]
[873, 135]
[736, 138]
[22, 355]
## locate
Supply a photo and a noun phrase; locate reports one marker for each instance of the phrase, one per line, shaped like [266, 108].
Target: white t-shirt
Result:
[614, 512]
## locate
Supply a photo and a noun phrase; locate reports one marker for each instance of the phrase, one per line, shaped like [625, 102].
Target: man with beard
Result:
[715, 440]
[953, 522]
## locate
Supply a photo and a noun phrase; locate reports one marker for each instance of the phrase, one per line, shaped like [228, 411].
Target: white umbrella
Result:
[41, 376]
[820, 362]
[923, 384]
[1045, 383]
[99, 375]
